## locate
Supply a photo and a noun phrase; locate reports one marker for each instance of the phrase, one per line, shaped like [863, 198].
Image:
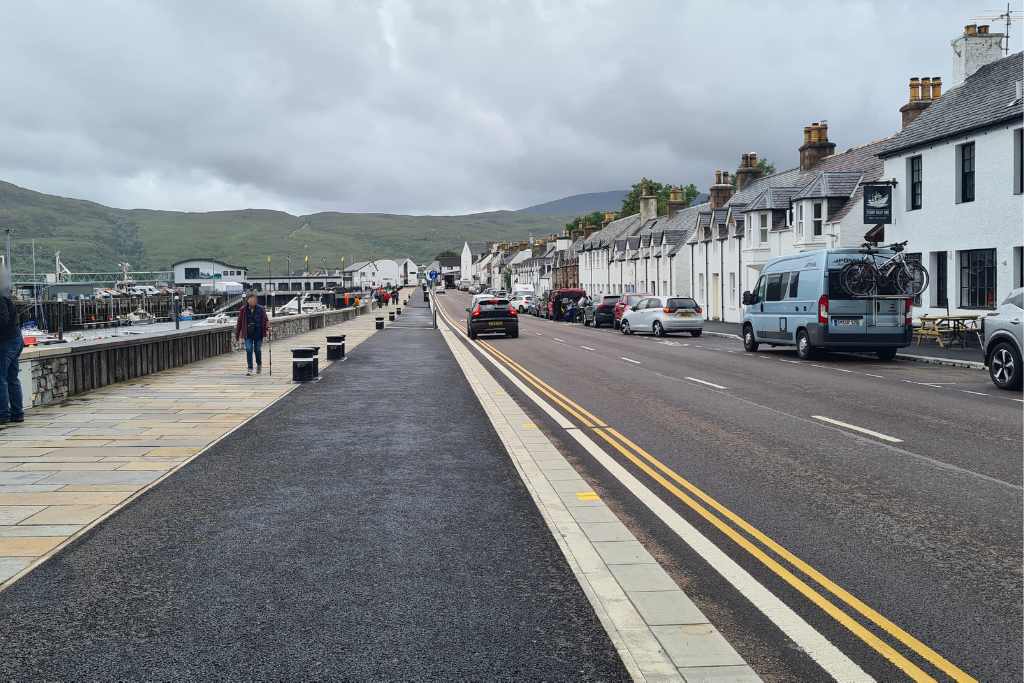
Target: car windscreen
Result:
[493, 304]
[610, 299]
[633, 298]
[677, 303]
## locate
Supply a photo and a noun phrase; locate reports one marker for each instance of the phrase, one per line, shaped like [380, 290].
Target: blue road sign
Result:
[434, 274]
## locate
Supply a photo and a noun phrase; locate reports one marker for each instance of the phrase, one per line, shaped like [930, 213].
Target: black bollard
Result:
[305, 364]
[391, 316]
[398, 311]
[336, 347]
[380, 322]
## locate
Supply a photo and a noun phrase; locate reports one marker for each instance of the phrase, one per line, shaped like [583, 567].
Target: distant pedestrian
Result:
[11, 344]
[387, 297]
[252, 325]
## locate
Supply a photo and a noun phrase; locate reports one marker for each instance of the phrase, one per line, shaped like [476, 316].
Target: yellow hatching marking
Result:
[587, 495]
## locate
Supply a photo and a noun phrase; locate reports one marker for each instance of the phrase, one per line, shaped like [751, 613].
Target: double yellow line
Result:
[716, 513]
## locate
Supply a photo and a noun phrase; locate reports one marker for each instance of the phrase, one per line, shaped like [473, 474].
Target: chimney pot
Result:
[971, 29]
[983, 29]
[753, 159]
[936, 87]
[915, 89]
[926, 89]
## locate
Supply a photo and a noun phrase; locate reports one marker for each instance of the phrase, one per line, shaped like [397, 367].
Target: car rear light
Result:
[909, 313]
[699, 310]
[666, 310]
[823, 309]
[476, 311]
[512, 311]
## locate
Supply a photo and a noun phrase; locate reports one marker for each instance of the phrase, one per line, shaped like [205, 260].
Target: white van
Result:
[522, 289]
[800, 301]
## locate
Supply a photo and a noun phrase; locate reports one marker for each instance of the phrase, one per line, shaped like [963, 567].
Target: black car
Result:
[492, 315]
[601, 312]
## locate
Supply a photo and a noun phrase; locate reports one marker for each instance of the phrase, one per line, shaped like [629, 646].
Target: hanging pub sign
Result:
[877, 204]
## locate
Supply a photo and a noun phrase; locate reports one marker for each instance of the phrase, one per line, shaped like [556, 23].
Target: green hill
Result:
[92, 237]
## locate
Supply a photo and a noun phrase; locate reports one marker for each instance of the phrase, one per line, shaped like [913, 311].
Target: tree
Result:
[767, 167]
[446, 252]
[631, 203]
[595, 218]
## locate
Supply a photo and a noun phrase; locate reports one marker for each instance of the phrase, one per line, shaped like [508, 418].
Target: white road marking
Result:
[685, 344]
[862, 430]
[588, 348]
[698, 346]
[790, 361]
[539, 334]
[875, 376]
[841, 370]
[560, 341]
[923, 384]
[976, 393]
[763, 356]
[629, 360]
[817, 365]
[710, 384]
[1019, 400]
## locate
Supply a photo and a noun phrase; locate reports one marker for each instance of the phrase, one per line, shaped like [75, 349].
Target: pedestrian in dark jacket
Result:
[252, 326]
[11, 344]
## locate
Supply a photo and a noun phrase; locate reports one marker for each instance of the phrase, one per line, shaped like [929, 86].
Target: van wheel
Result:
[1004, 366]
[624, 326]
[804, 350]
[886, 354]
[749, 340]
[659, 331]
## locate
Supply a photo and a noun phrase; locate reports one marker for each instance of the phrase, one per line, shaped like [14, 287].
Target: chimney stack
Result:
[609, 216]
[721, 191]
[816, 145]
[748, 171]
[676, 201]
[648, 205]
[923, 91]
[973, 50]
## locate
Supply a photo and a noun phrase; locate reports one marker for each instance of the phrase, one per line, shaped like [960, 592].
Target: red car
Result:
[627, 300]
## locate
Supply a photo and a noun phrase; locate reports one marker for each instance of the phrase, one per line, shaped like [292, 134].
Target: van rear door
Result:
[849, 315]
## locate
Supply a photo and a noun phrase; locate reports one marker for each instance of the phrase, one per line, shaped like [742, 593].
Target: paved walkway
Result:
[70, 465]
[370, 526]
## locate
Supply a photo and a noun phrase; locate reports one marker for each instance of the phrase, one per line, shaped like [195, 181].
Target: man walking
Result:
[11, 345]
[253, 324]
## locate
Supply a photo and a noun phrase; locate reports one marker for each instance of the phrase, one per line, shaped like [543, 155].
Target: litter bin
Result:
[380, 322]
[305, 363]
[426, 297]
[336, 347]
[391, 316]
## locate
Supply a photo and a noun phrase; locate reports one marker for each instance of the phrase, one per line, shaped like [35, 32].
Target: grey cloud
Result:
[410, 106]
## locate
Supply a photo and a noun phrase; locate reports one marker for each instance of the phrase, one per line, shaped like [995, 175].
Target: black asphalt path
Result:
[366, 527]
[927, 531]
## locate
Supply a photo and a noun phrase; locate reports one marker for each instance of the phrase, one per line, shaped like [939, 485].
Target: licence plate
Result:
[846, 322]
[684, 314]
[496, 323]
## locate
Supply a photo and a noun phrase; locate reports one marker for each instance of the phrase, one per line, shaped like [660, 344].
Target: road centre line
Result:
[587, 348]
[560, 341]
[976, 393]
[868, 637]
[862, 430]
[875, 376]
[700, 381]
[630, 360]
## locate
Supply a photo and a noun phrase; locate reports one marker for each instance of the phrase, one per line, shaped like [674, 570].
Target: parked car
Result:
[601, 312]
[534, 307]
[492, 314]
[625, 301]
[800, 301]
[499, 293]
[1002, 332]
[474, 289]
[558, 296]
[661, 315]
[522, 302]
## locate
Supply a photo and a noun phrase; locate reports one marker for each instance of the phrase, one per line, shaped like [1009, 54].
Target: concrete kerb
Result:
[86, 528]
[949, 362]
[599, 549]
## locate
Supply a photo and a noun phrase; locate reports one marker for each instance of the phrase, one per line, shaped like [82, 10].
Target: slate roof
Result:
[720, 216]
[985, 99]
[827, 185]
[450, 261]
[772, 198]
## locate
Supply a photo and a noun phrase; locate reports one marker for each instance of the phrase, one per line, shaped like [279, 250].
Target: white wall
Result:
[992, 220]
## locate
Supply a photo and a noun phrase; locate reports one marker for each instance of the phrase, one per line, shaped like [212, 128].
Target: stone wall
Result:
[49, 380]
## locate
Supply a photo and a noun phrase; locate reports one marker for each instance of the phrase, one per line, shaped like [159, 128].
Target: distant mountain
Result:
[579, 204]
[95, 238]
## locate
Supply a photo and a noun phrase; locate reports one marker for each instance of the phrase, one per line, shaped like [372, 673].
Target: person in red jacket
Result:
[386, 297]
[252, 326]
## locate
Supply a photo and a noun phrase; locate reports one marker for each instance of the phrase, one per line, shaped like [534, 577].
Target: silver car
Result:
[660, 315]
[1002, 332]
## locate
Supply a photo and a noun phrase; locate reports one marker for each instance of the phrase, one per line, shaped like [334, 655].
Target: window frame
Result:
[966, 163]
[941, 279]
[1018, 161]
[762, 228]
[978, 300]
[915, 182]
[817, 219]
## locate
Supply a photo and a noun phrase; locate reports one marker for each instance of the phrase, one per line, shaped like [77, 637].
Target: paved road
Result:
[361, 529]
[919, 518]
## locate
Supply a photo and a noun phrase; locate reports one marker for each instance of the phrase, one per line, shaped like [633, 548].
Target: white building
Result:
[207, 271]
[408, 271]
[959, 168]
[472, 252]
[375, 273]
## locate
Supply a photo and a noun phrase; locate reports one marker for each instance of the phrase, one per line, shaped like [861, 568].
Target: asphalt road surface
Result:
[891, 489]
[367, 527]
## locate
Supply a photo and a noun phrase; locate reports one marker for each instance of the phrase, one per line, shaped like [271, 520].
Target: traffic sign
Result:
[434, 274]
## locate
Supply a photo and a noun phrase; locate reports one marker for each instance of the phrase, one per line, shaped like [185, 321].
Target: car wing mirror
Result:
[748, 299]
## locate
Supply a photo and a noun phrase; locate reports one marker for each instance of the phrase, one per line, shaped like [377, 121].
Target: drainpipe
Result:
[721, 279]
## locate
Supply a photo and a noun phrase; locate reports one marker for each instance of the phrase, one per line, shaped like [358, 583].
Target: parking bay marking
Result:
[869, 638]
[862, 430]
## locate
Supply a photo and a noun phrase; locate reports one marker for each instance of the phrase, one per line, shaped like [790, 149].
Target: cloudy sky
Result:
[413, 106]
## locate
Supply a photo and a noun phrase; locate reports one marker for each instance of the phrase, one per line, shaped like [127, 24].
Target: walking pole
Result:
[270, 350]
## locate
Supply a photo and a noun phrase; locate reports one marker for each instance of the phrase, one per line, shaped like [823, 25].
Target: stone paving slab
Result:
[69, 465]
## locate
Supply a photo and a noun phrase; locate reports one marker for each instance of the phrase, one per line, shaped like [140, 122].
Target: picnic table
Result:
[948, 328]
